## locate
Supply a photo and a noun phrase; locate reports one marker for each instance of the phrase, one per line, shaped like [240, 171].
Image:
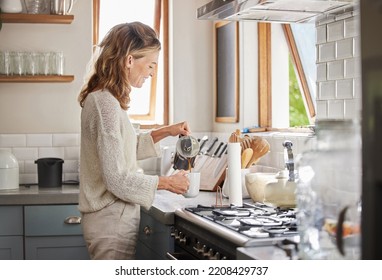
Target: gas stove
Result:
[205, 232]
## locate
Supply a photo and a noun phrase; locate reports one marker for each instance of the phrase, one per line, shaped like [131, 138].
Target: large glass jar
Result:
[329, 192]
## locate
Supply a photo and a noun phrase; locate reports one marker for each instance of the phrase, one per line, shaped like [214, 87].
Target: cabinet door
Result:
[11, 248]
[53, 232]
[55, 248]
[11, 233]
[47, 220]
[11, 220]
[154, 239]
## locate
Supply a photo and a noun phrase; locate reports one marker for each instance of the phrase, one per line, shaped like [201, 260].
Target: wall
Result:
[193, 100]
[47, 107]
[338, 67]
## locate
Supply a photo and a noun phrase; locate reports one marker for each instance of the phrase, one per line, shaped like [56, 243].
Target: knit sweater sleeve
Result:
[116, 147]
[146, 148]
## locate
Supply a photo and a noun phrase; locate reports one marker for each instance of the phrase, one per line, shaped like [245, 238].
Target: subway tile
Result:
[335, 31]
[352, 109]
[358, 88]
[66, 140]
[21, 164]
[327, 90]
[326, 52]
[39, 140]
[335, 70]
[28, 178]
[72, 152]
[12, 140]
[357, 47]
[57, 152]
[322, 109]
[336, 109]
[345, 89]
[345, 48]
[71, 177]
[321, 34]
[25, 153]
[321, 72]
[70, 166]
[351, 27]
[30, 166]
[352, 67]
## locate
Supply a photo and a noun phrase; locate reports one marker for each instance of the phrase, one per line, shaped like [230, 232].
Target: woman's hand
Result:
[177, 183]
[181, 128]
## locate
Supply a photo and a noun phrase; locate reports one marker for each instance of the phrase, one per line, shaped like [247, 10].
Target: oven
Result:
[215, 233]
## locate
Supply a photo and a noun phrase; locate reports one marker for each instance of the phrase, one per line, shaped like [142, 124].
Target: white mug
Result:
[193, 188]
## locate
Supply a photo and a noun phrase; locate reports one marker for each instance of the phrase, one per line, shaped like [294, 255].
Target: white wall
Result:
[191, 60]
[47, 107]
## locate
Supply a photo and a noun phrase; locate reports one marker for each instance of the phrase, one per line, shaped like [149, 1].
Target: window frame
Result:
[161, 16]
[265, 74]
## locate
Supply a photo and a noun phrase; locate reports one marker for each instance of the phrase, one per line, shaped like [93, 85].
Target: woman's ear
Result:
[129, 61]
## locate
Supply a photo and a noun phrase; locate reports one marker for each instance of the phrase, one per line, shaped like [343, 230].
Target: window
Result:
[300, 40]
[149, 104]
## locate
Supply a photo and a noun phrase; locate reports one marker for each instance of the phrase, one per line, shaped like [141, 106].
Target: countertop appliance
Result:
[9, 171]
[214, 233]
[283, 11]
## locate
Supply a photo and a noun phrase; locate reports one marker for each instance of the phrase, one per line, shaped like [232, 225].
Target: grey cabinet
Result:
[53, 232]
[11, 233]
[154, 239]
[41, 232]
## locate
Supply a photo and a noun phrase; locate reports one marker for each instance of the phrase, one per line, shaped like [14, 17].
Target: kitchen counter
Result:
[164, 206]
[33, 195]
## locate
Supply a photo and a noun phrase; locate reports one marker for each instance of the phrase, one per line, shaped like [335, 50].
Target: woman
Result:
[111, 188]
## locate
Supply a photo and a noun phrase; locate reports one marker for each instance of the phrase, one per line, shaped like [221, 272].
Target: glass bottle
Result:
[329, 192]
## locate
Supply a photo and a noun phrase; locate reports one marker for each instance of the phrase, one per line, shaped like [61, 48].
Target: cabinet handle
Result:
[72, 220]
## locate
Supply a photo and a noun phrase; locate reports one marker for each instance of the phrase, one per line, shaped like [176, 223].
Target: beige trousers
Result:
[112, 232]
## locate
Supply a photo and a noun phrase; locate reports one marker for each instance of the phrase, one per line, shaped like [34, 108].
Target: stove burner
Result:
[253, 220]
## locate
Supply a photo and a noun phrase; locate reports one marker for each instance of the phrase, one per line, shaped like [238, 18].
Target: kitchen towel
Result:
[234, 174]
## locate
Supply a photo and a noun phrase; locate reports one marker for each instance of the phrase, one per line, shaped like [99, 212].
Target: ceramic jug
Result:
[11, 6]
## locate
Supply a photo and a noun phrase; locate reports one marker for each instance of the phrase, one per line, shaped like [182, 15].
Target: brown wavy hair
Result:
[110, 71]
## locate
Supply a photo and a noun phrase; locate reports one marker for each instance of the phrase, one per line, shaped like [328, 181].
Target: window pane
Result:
[305, 38]
[113, 12]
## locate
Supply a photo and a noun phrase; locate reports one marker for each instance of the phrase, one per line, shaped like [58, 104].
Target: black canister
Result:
[49, 172]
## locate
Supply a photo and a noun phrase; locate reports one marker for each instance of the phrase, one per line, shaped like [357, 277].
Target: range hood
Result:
[283, 11]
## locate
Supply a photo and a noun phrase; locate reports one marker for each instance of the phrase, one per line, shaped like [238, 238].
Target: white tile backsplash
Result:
[39, 140]
[12, 140]
[341, 98]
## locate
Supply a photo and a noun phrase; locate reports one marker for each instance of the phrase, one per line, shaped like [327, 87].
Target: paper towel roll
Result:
[234, 174]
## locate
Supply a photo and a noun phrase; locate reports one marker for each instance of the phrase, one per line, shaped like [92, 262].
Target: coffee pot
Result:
[187, 147]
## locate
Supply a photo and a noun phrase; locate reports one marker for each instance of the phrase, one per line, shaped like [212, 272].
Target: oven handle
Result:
[170, 256]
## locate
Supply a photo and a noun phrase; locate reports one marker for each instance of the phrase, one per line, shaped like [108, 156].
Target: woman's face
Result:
[142, 68]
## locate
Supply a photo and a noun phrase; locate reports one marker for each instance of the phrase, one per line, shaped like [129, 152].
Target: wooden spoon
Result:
[246, 156]
[260, 147]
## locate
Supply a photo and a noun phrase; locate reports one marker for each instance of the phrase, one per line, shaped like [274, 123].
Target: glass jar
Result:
[329, 192]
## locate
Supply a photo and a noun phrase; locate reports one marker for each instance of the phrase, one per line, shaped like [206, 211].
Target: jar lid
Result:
[8, 160]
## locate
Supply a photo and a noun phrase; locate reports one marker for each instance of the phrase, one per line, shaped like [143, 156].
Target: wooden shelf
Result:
[36, 18]
[37, 79]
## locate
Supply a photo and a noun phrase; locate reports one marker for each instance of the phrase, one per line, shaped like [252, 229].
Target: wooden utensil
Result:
[246, 156]
[260, 147]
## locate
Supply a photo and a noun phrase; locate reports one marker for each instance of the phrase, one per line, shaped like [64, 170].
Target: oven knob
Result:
[182, 239]
[198, 248]
[206, 252]
[175, 233]
[210, 254]
[215, 257]
[147, 230]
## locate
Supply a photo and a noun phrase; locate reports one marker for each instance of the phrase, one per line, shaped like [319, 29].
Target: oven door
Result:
[180, 254]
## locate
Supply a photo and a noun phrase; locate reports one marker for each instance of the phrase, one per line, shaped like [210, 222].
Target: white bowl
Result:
[256, 182]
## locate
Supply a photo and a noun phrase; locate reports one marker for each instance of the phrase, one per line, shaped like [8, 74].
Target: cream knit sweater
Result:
[108, 156]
